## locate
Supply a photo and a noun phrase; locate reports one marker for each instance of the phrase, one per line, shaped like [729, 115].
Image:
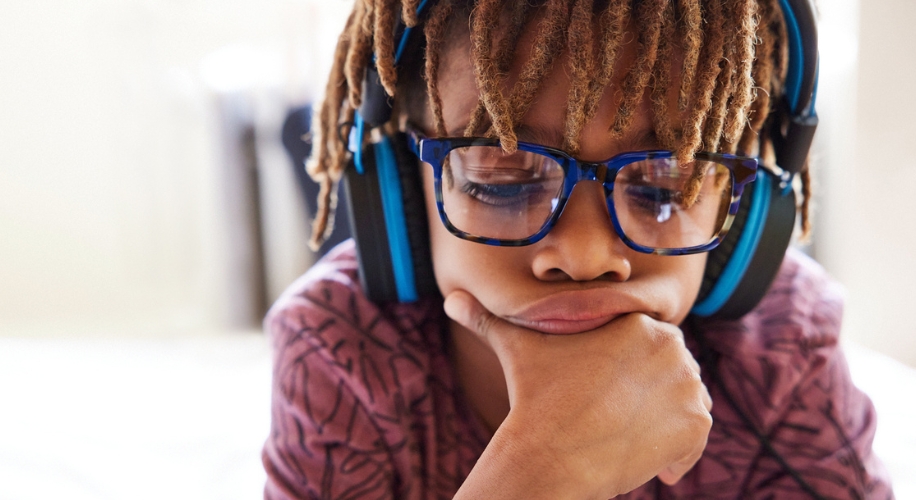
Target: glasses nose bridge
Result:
[580, 171]
[590, 171]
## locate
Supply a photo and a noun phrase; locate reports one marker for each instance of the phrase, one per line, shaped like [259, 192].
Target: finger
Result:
[467, 311]
[693, 363]
[674, 472]
[704, 391]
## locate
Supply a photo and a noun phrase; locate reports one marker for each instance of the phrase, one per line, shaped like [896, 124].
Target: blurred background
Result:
[149, 214]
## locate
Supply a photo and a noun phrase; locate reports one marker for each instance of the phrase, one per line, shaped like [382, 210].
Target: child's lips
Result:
[563, 327]
[572, 312]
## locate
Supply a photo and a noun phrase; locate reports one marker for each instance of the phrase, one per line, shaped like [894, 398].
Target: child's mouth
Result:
[564, 327]
[577, 311]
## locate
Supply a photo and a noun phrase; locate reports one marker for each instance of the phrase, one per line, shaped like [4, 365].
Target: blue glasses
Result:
[656, 203]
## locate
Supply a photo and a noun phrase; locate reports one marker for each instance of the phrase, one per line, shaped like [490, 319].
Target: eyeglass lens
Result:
[488, 193]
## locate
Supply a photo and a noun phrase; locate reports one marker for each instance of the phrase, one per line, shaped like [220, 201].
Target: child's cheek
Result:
[492, 274]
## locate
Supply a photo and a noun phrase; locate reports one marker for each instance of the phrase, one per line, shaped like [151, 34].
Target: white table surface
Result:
[186, 418]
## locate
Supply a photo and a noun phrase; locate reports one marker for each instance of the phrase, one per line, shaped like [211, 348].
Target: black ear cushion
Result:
[367, 224]
[768, 257]
[415, 215]
[719, 256]
[763, 264]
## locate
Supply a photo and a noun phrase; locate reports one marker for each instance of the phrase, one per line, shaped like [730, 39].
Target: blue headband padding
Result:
[356, 137]
[395, 222]
[744, 250]
[796, 56]
[402, 45]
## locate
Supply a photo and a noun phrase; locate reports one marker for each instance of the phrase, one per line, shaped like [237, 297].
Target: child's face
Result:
[581, 275]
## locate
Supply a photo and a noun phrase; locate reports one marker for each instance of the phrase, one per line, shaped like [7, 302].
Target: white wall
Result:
[873, 249]
[110, 212]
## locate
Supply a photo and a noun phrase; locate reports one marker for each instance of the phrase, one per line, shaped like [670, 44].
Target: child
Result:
[563, 361]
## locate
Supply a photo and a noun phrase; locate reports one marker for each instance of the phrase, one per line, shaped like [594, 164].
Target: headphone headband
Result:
[801, 81]
[794, 122]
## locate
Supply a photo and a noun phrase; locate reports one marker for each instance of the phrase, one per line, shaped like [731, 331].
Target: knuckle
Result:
[666, 339]
[629, 322]
[690, 374]
[485, 323]
[498, 334]
[698, 416]
[704, 421]
[700, 421]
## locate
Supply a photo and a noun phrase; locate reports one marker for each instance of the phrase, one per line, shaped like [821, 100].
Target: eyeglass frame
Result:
[434, 151]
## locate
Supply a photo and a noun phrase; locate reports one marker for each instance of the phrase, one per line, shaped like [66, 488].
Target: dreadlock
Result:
[547, 47]
[649, 20]
[612, 24]
[661, 74]
[504, 52]
[435, 29]
[732, 55]
[581, 65]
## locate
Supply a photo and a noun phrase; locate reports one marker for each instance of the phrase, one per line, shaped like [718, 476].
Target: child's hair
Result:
[734, 65]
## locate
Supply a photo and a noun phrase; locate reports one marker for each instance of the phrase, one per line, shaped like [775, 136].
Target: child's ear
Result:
[388, 222]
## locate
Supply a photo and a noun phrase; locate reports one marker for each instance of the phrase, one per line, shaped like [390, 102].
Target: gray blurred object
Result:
[246, 291]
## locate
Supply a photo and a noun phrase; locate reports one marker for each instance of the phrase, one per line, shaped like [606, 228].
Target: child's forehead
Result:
[460, 84]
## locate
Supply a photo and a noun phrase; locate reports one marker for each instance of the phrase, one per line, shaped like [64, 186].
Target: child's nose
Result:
[583, 244]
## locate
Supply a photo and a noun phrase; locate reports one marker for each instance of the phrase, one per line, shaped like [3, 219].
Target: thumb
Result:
[468, 312]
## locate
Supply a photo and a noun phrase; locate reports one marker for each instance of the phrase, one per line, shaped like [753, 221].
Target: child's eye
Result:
[502, 195]
[657, 202]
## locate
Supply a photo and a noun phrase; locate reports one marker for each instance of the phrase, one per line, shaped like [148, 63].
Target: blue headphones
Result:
[388, 218]
[741, 269]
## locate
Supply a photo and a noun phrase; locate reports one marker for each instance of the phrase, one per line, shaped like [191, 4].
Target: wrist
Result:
[518, 463]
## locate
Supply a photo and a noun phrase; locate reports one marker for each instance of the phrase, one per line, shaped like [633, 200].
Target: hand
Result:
[605, 410]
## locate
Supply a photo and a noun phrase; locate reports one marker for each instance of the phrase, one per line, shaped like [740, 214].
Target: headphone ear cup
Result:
[388, 221]
[718, 257]
[367, 225]
[415, 218]
[741, 269]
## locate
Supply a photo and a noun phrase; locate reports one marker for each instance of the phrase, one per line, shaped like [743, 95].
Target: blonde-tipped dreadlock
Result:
[732, 54]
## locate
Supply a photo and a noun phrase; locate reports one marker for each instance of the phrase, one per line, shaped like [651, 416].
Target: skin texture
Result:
[616, 400]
